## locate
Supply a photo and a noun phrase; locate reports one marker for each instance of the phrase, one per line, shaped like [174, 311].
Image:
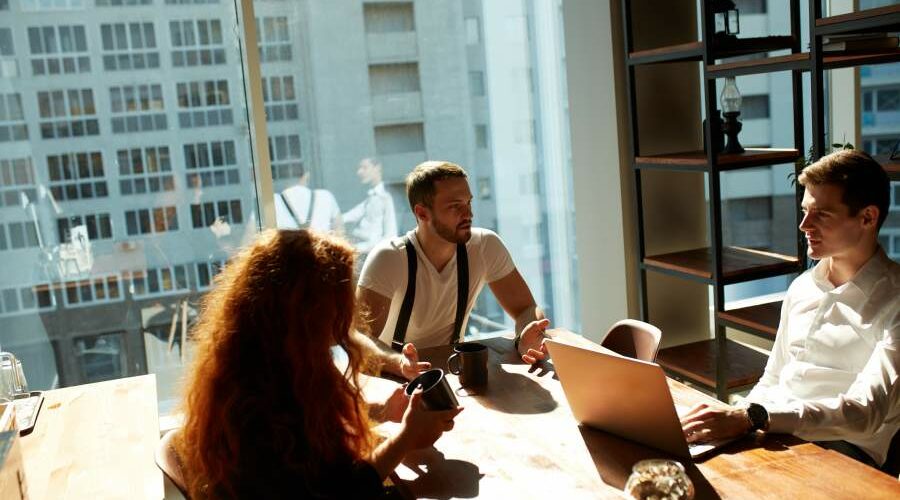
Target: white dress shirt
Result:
[321, 216]
[374, 219]
[834, 369]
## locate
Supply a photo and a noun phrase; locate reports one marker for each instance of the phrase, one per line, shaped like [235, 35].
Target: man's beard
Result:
[450, 234]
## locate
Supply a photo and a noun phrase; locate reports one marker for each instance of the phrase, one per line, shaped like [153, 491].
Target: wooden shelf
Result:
[892, 167]
[739, 264]
[755, 45]
[761, 319]
[691, 51]
[697, 361]
[868, 20]
[755, 66]
[834, 60]
[696, 160]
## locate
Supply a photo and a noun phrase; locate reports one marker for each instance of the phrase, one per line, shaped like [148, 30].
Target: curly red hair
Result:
[263, 388]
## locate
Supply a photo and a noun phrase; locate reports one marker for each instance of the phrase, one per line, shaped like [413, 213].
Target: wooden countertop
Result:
[519, 440]
[95, 441]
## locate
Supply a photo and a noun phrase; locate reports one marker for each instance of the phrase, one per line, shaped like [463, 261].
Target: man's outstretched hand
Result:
[531, 341]
[410, 367]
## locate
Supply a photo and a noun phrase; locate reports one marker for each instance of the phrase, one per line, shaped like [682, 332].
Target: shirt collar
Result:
[864, 279]
[377, 189]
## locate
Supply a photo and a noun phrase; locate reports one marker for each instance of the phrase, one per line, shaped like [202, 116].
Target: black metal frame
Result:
[717, 280]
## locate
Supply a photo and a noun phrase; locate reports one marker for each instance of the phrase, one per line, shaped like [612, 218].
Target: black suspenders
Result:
[462, 293]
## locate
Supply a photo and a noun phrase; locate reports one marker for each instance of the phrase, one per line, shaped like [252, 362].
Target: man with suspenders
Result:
[417, 290]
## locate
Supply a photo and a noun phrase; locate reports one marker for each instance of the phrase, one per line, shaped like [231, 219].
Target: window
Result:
[67, 113]
[389, 17]
[141, 105]
[98, 226]
[24, 299]
[895, 189]
[867, 100]
[755, 107]
[59, 49]
[206, 271]
[211, 96]
[274, 40]
[145, 170]
[18, 235]
[284, 151]
[128, 46]
[280, 99]
[51, 5]
[122, 3]
[9, 67]
[888, 100]
[12, 120]
[76, 176]
[101, 357]
[393, 78]
[151, 220]
[211, 164]
[16, 178]
[481, 136]
[476, 83]
[197, 42]
[188, 2]
[473, 31]
[157, 282]
[397, 139]
[97, 289]
[6, 42]
[205, 214]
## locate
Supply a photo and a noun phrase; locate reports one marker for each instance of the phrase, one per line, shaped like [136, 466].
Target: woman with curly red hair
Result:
[267, 412]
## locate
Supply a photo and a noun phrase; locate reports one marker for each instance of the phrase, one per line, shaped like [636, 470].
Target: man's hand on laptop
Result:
[531, 341]
[410, 367]
[704, 423]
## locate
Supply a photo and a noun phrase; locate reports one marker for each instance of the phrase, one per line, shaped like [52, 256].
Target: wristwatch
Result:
[758, 416]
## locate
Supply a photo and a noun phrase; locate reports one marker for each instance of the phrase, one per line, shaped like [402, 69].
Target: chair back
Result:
[634, 339]
[168, 462]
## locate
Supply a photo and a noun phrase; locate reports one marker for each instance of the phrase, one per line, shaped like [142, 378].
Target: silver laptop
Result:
[623, 396]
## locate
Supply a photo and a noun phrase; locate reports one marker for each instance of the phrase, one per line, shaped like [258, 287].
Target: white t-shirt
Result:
[299, 197]
[434, 310]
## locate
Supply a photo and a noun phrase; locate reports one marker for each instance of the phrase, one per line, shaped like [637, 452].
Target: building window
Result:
[473, 31]
[895, 189]
[476, 83]
[147, 170]
[18, 235]
[26, 299]
[129, 46]
[98, 226]
[399, 139]
[189, 2]
[280, 99]
[755, 107]
[209, 101]
[9, 67]
[394, 78]
[16, 178]
[92, 291]
[205, 214]
[207, 271]
[141, 105]
[47, 5]
[151, 220]
[867, 100]
[481, 136]
[211, 164]
[122, 3]
[274, 39]
[67, 113]
[888, 99]
[157, 282]
[76, 176]
[12, 120]
[58, 49]
[6, 42]
[389, 17]
[197, 42]
[284, 151]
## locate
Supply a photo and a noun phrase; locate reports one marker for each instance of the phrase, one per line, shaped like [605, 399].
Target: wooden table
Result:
[95, 441]
[519, 440]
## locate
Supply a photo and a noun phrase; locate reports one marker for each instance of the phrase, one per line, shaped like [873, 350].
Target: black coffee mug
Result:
[470, 364]
[436, 392]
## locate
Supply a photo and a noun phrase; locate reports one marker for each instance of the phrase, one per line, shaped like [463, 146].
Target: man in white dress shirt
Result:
[374, 219]
[299, 207]
[833, 373]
